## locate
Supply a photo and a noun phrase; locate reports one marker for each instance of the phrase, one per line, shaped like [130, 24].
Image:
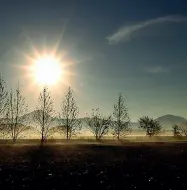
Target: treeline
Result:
[14, 121]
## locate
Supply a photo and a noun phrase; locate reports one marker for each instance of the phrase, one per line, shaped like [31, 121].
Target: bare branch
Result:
[3, 107]
[182, 129]
[43, 115]
[121, 124]
[177, 131]
[97, 124]
[16, 121]
[151, 126]
[68, 118]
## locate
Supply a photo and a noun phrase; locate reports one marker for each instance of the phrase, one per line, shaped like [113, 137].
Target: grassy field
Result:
[86, 164]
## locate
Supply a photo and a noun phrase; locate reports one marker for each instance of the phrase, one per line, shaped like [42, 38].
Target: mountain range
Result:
[167, 121]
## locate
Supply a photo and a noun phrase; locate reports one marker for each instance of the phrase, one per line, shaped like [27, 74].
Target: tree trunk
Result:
[96, 137]
[42, 142]
[118, 137]
[14, 140]
[67, 133]
[42, 139]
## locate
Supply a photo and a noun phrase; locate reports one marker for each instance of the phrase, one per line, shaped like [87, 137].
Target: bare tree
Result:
[17, 107]
[152, 127]
[121, 123]
[43, 115]
[176, 131]
[98, 124]
[3, 106]
[69, 121]
[182, 129]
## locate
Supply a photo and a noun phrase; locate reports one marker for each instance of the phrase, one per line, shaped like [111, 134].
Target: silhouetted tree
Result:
[183, 129]
[16, 121]
[176, 130]
[152, 127]
[98, 124]
[3, 106]
[68, 118]
[121, 124]
[43, 115]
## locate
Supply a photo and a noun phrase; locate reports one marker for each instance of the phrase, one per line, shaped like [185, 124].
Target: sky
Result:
[129, 46]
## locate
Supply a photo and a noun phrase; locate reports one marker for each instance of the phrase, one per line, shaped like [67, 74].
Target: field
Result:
[86, 165]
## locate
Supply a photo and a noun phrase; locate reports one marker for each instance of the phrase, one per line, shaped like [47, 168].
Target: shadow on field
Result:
[102, 166]
[39, 154]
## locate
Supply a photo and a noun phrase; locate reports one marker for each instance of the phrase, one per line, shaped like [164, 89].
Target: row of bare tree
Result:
[14, 118]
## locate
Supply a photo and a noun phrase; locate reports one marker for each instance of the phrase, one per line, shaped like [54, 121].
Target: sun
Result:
[47, 70]
[50, 66]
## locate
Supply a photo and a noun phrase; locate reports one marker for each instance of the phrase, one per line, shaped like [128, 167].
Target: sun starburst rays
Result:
[49, 67]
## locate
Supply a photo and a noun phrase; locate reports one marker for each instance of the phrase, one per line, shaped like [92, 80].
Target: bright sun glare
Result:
[47, 70]
[48, 67]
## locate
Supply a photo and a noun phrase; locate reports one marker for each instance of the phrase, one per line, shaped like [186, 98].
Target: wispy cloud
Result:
[125, 33]
[157, 69]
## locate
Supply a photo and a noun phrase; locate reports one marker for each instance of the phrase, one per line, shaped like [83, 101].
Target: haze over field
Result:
[167, 122]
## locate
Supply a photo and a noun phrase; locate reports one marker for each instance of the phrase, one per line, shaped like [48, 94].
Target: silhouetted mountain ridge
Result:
[170, 120]
[167, 121]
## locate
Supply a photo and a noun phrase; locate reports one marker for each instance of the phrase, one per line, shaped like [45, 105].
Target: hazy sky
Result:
[135, 47]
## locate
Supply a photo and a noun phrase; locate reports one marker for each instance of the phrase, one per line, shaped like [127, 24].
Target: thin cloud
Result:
[156, 70]
[125, 33]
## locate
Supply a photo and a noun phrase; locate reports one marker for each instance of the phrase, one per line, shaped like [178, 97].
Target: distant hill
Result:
[167, 121]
